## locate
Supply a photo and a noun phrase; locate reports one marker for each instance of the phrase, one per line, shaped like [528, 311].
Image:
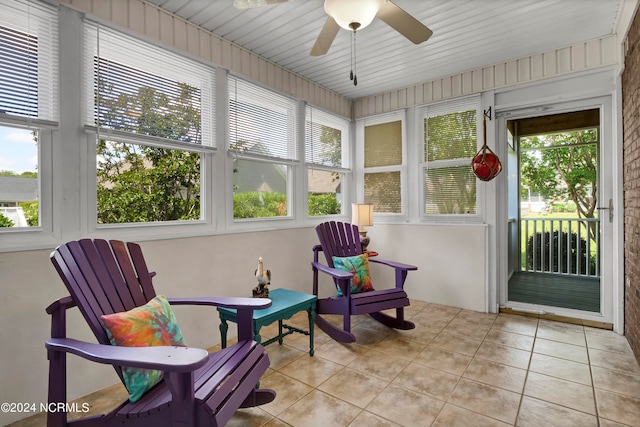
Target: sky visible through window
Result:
[18, 150]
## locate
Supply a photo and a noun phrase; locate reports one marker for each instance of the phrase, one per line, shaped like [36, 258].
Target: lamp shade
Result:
[344, 12]
[362, 214]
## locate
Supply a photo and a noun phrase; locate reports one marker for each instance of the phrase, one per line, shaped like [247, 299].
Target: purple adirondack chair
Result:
[198, 389]
[343, 240]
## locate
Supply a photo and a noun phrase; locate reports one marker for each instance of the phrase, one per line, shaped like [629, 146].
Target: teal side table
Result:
[285, 303]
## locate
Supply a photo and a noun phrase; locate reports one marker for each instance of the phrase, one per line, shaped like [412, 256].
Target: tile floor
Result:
[457, 368]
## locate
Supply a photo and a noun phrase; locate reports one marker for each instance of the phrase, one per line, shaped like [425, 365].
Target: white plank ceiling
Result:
[468, 34]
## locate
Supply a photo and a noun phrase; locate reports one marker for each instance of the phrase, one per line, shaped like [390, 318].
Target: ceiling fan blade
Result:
[404, 23]
[325, 38]
[249, 4]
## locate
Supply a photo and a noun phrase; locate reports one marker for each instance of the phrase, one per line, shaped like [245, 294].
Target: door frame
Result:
[611, 278]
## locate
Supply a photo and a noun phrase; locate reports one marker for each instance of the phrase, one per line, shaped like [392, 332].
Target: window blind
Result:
[262, 123]
[326, 139]
[28, 60]
[383, 144]
[135, 87]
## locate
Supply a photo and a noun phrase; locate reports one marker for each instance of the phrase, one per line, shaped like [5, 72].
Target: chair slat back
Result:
[338, 239]
[103, 278]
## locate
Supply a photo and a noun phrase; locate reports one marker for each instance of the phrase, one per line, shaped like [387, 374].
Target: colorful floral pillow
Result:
[358, 265]
[151, 324]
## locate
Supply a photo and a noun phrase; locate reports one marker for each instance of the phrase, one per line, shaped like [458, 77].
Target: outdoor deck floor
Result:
[575, 292]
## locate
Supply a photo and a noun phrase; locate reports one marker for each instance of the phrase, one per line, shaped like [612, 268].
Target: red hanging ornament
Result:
[486, 164]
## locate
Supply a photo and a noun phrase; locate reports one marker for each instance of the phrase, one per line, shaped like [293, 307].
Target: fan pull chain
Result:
[354, 26]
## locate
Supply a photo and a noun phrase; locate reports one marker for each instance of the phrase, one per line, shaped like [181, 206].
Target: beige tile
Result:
[510, 339]
[608, 423]
[368, 322]
[565, 336]
[399, 347]
[496, 374]
[616, 361]
[560, 325]
[467, 329]
[318, 409]
[616, 344]
[405, 407]
[477, 317]
[537, 413]
[340, 353]
[619, 408]
[275, 422]
[367, 337]
[616, 381]
[367, 419]
[561, 392]
[561, 350]
[282, 355]
[438, 358]
[288, 392]
[487, 400]
[353, 387]
[505, 355]
[456, 343]
[249, 417]
[454, 416]
[421, 334]
[560, 368]
[378, 364]
[518, 324]
[423, 379]
[428, 319]
[311, 370]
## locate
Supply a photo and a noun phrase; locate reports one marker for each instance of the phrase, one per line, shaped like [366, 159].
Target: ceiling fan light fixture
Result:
[346, 12]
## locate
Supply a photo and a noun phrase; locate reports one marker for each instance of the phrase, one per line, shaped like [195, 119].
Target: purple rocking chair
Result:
[343, 240]
[198, 389]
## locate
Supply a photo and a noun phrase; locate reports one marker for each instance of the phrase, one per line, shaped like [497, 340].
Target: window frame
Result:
[41, 20]
[345, 170]
[446, 107]
[207, 75]
[399, 115]
[292, 160]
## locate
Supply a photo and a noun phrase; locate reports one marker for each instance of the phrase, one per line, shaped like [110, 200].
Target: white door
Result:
[509, 212]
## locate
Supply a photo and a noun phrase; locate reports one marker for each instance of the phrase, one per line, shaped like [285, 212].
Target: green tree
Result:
[139, 183]
[563, 166]
[4, 221]
[30, 210]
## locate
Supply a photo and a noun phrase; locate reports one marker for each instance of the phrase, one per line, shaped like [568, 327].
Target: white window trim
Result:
[360, 169]
[478, 216]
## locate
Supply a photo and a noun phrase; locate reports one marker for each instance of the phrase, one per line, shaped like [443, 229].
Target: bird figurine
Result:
[264, 280]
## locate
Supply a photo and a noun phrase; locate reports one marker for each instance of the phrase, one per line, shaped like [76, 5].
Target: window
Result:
[449, 143]
[384, 164]
[28, 112]
[151, 114]
[327, 157]
[263, 143]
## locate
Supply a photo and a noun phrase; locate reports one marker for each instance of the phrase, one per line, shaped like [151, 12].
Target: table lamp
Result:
[362, 215]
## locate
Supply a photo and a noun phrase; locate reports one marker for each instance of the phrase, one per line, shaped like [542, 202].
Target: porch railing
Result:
[563, 246]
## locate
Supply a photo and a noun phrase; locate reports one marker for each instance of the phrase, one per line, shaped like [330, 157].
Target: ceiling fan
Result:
[355, 15]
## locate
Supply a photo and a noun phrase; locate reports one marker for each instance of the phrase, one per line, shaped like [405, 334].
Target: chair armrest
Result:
[62, 303]
[238, 303]
[169, 359]
[396, 265]
[334, 272]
